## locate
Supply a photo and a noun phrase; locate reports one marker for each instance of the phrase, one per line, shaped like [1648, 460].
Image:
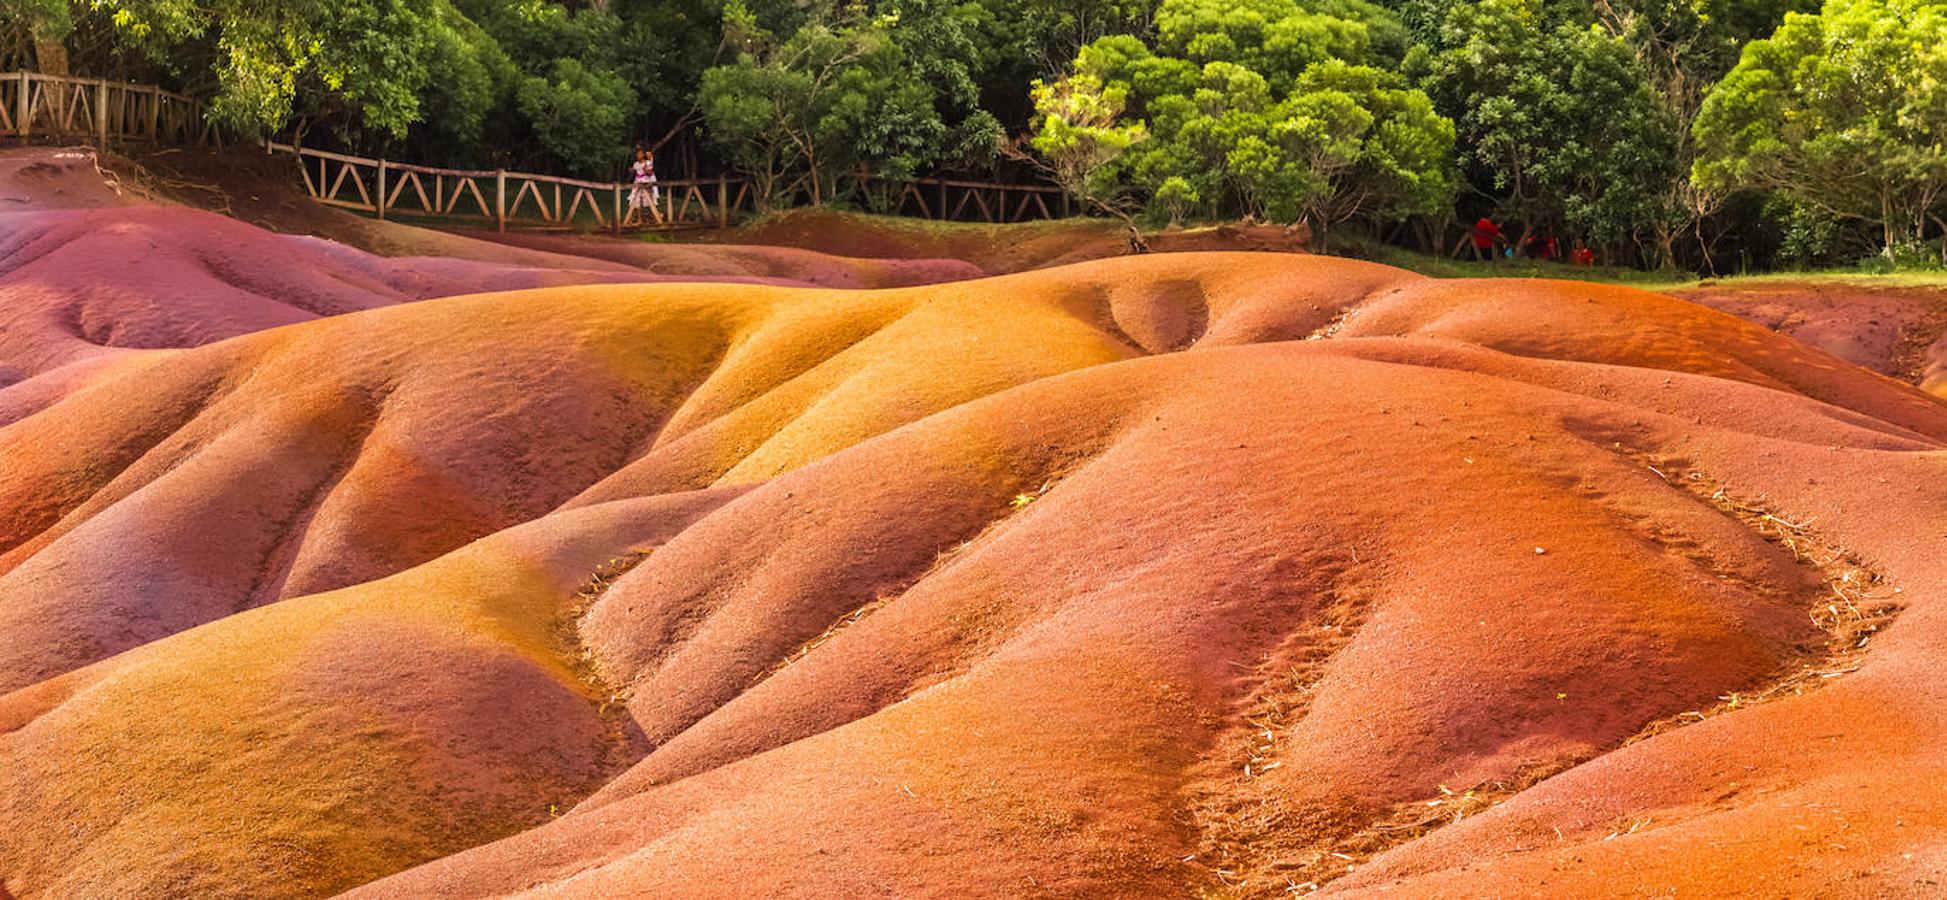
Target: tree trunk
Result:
[1697, 225]
[50, 56]
[1886, 224]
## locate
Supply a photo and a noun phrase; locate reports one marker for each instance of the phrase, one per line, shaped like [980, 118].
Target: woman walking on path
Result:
[644, 195]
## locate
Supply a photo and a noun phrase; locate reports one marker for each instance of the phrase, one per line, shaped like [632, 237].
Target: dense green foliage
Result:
[886, 94]
[1262, 108]
[1559, 126]
[1844, 113]
[1695, 133]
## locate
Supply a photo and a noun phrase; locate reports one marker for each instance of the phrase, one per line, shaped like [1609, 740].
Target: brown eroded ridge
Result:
[1197, 573]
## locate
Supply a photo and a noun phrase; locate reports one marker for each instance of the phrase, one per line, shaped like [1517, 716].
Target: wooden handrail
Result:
[274, 147]
[665, 182]
[35, 103]
[501, 197]
[93, 82]
[971, 185]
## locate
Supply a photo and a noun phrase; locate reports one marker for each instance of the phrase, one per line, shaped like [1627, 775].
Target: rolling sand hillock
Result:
[1222, 574]
[97, 262]
[90, 270]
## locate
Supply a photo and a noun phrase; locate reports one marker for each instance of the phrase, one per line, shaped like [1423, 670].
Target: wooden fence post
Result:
[155, 111]
[381, 197]
[101, 112]
[500, 199]
[615, 221]
[22, 103]
[723, 200]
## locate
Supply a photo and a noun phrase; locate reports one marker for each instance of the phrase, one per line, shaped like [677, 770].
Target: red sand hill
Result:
[88, 269]
[1198, 573]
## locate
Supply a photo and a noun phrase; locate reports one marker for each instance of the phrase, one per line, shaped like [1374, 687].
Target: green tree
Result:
[31, 32]
[580, 114]
[1079, 135]
[1557, 122]
[365, 58]
[1263, 108]
[1015, 43]
[1844, 112]
[475, 78]
[857, 93]
[1683, 47]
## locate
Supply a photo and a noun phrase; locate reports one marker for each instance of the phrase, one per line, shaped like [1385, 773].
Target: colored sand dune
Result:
[1189, 573]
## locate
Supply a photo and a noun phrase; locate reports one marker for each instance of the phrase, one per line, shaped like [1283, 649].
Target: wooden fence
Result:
[948, 198]
[104, 111]
[502, 198]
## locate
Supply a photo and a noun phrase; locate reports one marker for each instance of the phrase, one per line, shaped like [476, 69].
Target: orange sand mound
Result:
[184, 487]
[1201, 572]
[89, 270]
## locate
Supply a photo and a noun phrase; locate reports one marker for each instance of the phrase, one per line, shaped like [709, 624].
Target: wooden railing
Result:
[501, 198]
[947, 198]
[33, 104]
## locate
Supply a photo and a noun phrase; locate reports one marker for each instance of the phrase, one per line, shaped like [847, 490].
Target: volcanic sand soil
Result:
[1187, 573]
[993, 249]
[776, 264]
[102, 257]
[1900, 331]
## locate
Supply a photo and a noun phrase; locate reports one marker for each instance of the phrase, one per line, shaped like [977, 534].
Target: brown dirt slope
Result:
[1897, 330]
[182, 487]
[773, 264]
[993, 249]
[1095, 580]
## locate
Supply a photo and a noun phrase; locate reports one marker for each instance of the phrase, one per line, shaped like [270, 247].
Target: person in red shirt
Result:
[1583, 256]
[1486, 235]
[1542, 245]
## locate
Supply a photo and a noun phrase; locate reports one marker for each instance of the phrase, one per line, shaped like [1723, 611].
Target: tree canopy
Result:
[1845, 112]
[1661, 132]
[1265, 108]
[887, 94]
